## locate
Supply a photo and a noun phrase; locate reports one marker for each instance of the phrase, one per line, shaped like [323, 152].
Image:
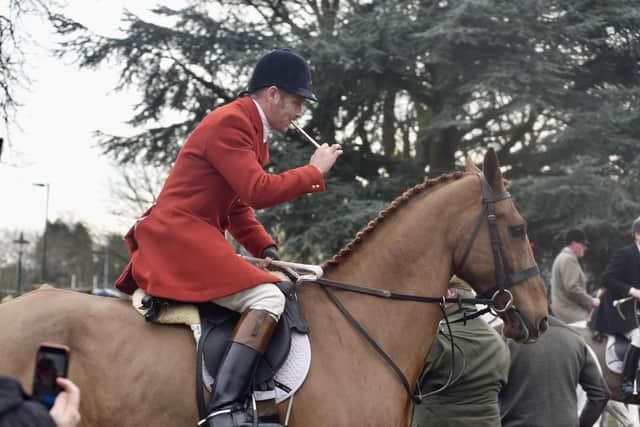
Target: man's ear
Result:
[273, 94]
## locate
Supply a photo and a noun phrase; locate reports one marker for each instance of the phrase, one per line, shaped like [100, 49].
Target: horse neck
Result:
[411, 252]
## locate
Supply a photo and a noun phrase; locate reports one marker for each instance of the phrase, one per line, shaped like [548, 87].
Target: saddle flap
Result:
[614, 354]
[292, 312]
[621, 345]
[218, 324]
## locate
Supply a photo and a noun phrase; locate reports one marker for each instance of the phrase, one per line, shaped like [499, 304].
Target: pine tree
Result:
[409, 88]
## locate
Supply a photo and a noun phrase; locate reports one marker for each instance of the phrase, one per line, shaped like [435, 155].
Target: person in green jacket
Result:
[481, 370]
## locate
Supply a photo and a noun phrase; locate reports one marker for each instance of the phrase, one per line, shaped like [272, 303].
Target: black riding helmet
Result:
[285, 69]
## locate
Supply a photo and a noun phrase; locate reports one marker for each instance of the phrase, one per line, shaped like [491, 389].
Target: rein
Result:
[417, 397]
[504, 280]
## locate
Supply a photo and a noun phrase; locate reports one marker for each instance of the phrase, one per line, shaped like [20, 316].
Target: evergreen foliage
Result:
[14, 73]
[409, 88]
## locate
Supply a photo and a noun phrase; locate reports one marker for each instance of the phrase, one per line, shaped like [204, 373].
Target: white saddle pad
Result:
[611, 357]
[614, 363]
[292, 373]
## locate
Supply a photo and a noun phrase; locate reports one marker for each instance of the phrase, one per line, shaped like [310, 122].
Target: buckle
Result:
[494, 309]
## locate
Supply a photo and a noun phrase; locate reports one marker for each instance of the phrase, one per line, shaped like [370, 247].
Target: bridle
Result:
[505, 279]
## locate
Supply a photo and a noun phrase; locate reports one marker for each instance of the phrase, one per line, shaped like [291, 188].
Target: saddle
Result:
[617, 346]
[213, 325]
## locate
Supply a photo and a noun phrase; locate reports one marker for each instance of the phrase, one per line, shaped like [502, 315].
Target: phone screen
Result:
[51, 362]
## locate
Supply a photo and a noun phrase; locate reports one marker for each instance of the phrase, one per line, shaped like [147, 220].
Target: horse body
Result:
[126, 369]
[133, 373]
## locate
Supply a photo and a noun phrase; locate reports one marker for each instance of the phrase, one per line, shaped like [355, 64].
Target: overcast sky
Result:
[54, 143]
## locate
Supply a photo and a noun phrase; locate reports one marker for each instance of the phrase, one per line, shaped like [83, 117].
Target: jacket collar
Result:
[266, 129]
[248, 105]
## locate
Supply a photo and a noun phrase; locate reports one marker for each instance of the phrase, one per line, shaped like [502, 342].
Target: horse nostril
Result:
[544, 324]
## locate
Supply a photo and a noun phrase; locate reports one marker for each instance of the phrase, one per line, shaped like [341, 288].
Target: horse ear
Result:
[470, 166]
[491, 169]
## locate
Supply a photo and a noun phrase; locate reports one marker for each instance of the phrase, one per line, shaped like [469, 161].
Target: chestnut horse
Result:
[134, 373]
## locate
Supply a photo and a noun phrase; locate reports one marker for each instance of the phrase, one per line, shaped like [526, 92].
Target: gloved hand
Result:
[271, 252]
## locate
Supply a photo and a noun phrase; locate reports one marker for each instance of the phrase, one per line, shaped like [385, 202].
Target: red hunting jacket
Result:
[178, 249]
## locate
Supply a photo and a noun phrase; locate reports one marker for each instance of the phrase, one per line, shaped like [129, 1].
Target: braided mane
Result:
[400, 201]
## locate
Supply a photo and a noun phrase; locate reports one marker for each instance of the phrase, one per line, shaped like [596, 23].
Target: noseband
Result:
[505, 278]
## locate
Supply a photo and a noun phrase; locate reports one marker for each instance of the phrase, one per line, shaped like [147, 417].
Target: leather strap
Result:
[202, 407]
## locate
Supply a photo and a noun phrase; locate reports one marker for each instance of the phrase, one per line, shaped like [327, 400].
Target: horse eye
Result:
[517, 231]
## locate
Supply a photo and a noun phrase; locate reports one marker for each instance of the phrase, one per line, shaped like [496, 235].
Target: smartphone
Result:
[52, 361]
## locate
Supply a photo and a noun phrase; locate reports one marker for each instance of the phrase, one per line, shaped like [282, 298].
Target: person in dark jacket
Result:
[17, 410]
[621, 279]
[541, 390]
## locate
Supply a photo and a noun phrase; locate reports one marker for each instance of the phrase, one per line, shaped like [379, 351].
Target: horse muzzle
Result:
[519, 327]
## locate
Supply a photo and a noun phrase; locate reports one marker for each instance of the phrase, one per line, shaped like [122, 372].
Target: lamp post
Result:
[43, 271]
[20, 242]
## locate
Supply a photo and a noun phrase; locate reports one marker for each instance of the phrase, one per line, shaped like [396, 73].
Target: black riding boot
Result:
[629, 370]
[231, 388]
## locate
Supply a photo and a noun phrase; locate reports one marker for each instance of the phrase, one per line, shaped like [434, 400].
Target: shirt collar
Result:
[266, 129]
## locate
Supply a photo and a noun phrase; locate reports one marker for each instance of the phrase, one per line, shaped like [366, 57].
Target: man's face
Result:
[579, 249]
[283, 108]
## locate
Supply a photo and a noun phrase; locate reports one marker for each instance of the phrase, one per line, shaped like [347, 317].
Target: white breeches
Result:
[267, 297]
[634, 336]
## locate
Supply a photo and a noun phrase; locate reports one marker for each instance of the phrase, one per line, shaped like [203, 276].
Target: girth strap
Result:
[202, 408]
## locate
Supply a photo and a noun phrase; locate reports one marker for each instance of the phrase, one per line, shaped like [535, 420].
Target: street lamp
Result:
[43, 271]
[20, 242]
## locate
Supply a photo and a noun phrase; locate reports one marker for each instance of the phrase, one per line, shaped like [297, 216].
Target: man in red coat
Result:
[178, 248]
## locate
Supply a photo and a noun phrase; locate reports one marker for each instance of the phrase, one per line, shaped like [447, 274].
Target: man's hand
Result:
[325, 156]
[271, 252]
[595, 302]
[65, 411]
[634, 292]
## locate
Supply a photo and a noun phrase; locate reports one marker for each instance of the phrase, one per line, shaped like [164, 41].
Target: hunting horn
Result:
[306, 135]
[617, 302]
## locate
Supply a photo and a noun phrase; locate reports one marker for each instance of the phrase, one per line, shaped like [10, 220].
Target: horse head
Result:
[495, 256]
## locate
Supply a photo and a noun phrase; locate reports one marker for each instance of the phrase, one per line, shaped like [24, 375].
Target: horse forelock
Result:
[427, 186]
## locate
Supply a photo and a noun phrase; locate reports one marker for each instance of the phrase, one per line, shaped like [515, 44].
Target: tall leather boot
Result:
[249, 341]
[629, 371]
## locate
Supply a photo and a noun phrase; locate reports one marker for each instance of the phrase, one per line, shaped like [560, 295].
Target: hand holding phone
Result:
[52, 361]
[65, 411]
